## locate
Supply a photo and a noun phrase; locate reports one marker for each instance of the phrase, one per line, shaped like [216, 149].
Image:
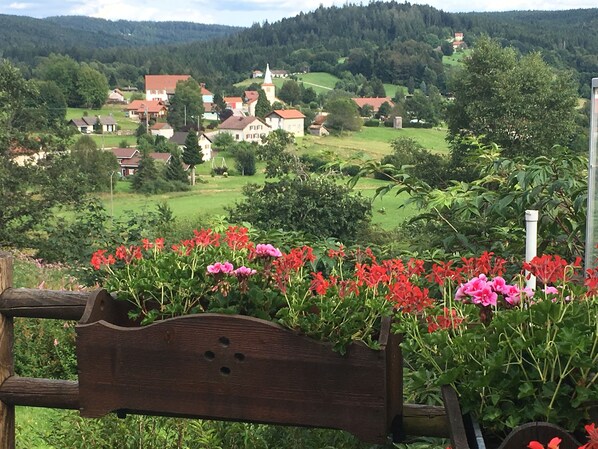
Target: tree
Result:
[315, 205]
[517, 102]
[223, 142]
[145, 179]
[343, 114]
[245, 159]
[192, 155]
[96, 165]
[52, 104]
[92, 87]
[262, 106]
[275, 152]
[420, 108]
[175, 170]
[384, 110]
[186, 105]
[31, 193]
[290, 92]
[447, 48]
[62, 70]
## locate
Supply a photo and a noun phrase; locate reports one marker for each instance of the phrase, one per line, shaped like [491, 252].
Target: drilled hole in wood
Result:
[209, 355]
[225, 370]
[239, 357]
[224, 341]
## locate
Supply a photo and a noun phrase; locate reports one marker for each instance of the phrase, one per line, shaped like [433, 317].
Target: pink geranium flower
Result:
[267, 250]
[218, 267]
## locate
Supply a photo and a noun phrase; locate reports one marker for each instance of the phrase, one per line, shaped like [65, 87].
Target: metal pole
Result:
[531, 243]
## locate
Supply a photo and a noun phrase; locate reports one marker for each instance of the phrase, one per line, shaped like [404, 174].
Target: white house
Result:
[162, 129]
[290, 120]
[245, 129]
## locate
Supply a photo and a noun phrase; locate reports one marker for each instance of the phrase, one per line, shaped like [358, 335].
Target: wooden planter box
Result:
[232, 367]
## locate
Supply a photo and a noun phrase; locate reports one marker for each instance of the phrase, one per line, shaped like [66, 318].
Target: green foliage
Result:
[186, 105]
[192, 152]
[147, 178]
[157, 433]
[290, 92]
[276, 152]
[245, 160]
[175, 170]
[343, 115]
[519, 103]
[97, 166]
[92, 87]
[431, 168]
[223, 142]
[315, 205]
[262, 106]
[533, 363]
[488, 213]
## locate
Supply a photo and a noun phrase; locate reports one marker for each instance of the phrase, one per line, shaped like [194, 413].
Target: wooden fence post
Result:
[7, 412]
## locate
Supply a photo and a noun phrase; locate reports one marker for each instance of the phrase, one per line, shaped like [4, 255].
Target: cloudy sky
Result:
[241, 13]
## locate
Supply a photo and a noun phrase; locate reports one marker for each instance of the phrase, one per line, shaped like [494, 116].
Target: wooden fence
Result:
[421, 420]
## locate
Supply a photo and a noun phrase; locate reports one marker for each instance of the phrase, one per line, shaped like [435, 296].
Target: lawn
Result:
[456, 59]
[210, 198]
[375, 142]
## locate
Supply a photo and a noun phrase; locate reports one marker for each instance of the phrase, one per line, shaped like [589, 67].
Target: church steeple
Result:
[268, 75]
[268, 86]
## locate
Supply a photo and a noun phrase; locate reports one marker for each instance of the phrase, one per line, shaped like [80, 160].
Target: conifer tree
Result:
[192, 154]
[146, 175]
[262, 107]
[175, 170]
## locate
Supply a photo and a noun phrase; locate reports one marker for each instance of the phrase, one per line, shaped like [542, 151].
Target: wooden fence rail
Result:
[421, 420]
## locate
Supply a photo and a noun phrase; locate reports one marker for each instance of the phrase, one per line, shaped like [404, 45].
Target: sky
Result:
[241, 13]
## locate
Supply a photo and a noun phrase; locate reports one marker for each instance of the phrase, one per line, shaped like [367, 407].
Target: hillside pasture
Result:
[375, 142]
[126, 126]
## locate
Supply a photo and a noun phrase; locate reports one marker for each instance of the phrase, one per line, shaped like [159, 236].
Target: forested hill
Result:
[396, 42]
[24, 37]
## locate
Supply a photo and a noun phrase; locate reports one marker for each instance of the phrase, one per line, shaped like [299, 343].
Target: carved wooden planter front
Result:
[235, 367]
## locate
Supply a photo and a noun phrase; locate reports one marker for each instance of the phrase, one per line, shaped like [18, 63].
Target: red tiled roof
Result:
[205, 91]
[287, 113]
[375, 103]
[233, 100]
[163, 82]
[153, 106]
[161, 125]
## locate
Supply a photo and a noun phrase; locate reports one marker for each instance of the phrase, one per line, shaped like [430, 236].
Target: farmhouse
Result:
[374, 103]
[162, 87]
[116, 96]
[245, 129]
[128, 159]
[88, 125]
[143, 109]
[290, 120]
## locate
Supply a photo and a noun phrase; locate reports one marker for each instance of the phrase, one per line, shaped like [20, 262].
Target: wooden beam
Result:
[33, 392]
[455, 418]
[35, 303]
[7, 411]
[425, 421]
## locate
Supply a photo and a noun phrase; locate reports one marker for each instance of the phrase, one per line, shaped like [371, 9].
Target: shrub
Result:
[372, 123]
[315, 205]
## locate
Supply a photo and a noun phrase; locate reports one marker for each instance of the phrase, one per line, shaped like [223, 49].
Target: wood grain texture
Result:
[35, 303]
[425, 420]
[454, 417]
[34, 392]
[538, 431]
[7, 411]
[236, 368]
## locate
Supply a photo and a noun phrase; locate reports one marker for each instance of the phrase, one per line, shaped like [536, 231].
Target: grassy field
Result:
[210, 198]
[456, 59]
[375, 142]
[126, 126]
